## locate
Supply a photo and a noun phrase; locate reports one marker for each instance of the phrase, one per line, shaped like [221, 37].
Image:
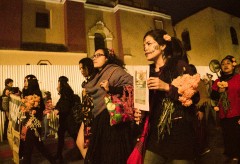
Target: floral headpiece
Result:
[234, 62]
[231, 58]
[31, 78]
[111, 52]
[167, 37]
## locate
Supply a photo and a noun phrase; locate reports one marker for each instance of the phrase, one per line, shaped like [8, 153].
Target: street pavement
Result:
[72, 155]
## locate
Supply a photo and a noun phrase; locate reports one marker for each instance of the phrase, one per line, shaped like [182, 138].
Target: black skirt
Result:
[109, 144]
[231, 136]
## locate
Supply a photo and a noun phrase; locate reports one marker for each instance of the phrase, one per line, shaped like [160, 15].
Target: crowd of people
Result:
[177, 108]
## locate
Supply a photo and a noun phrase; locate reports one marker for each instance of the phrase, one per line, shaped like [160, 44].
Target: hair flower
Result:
[234, 63]
[187, 87]
[111, 52]
[167, 37]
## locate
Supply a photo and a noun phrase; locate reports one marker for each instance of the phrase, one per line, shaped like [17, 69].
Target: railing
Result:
[14, 128]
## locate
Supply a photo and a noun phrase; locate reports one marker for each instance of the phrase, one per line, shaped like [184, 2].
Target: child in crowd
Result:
[46, 113]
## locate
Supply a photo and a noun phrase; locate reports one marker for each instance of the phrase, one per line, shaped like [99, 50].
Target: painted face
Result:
[227, 66]
[151, 48]
[25, 83]
[84, 71]
[99, 59]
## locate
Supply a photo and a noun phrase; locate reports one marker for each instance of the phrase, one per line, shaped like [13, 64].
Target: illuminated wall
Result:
[210, 36]
[55, 34]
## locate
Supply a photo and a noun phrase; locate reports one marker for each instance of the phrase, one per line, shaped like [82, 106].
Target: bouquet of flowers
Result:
[223, 96]
[29, 105]
[29, 102]
[187, 87]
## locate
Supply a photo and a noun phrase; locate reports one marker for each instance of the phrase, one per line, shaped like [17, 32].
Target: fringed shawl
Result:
[119, 77]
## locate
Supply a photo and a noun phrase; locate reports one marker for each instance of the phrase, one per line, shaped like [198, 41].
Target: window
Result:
[186, 40]
[43, 19]
[99, 41]
[234, 36]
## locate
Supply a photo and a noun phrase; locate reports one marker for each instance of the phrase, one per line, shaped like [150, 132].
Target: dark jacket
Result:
[180, 144]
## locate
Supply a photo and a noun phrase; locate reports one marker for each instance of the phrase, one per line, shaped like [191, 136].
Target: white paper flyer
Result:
[141, 92]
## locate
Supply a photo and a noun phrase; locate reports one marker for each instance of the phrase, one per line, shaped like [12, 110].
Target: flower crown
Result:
[232, 59]
[29, 78]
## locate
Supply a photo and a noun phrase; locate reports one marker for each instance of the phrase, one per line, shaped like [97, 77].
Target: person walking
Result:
[226, 91]
[31, 111]
[63, 109]
[171, 137]
[108, 144]
[88, 71]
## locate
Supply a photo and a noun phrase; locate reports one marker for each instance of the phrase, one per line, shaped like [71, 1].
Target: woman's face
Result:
[58, 87]
[152, 49]
[84, 71]
[99, 59]
[227, 66]
[25, 83]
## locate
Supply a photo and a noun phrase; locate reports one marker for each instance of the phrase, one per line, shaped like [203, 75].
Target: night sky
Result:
[179, 9]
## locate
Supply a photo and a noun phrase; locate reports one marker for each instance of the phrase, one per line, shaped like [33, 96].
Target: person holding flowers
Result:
[31, 114]
[226, 91]
[172, 94]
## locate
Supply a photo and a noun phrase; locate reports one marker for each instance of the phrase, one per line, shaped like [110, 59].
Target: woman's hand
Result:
[138, 116]
[34, 112]
[200, 115]
[157, 84]
[7, 92]
[56, 112]
[221, 90]
[105, 85]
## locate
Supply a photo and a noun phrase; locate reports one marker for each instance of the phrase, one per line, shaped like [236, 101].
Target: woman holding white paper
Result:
[171, 134]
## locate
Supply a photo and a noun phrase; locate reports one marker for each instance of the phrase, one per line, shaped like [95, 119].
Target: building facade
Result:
[210, 34]
[63, 32]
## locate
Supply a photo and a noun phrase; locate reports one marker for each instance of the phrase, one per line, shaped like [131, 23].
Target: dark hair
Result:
[231, 59]
[174, 47]
[7, 81]
[228, 57]
[65, 89]
[193, 69]
[87, 63]
[48, 95]
[33, 88]
[112, 57]
[63, 79]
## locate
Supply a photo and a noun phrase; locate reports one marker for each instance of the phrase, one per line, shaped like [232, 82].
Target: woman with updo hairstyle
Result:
[88, 71]
[169, 60]
[225, 91]
[108, 144]
[31, 122]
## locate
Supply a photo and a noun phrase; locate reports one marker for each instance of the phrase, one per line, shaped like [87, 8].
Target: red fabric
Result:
[23, 133]
[136, 157]
[233, 96]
